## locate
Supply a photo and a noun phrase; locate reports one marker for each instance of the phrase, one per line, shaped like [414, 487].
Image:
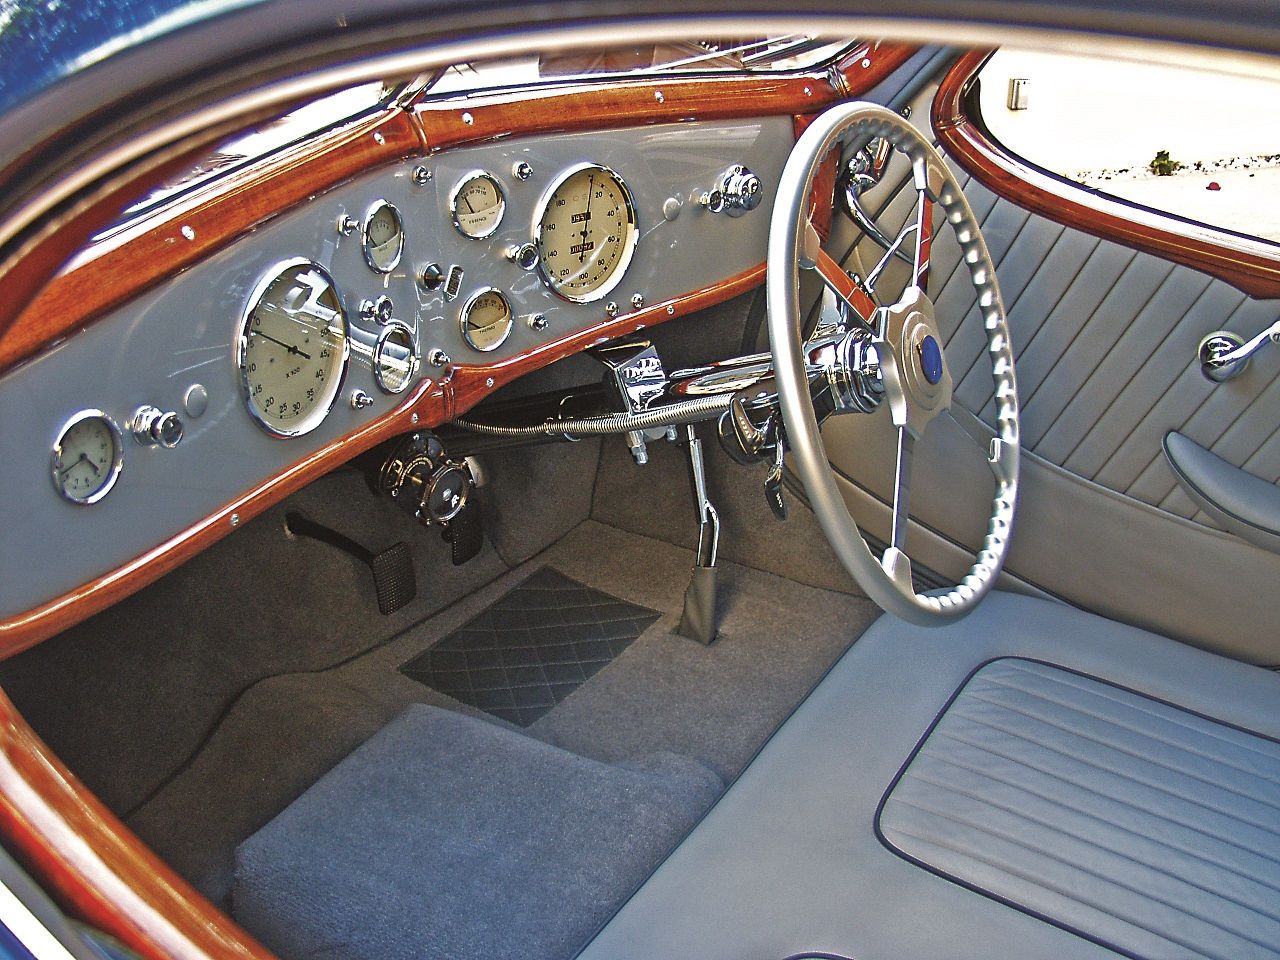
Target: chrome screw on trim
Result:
[611, 309]
[637, 300]
[421, 176]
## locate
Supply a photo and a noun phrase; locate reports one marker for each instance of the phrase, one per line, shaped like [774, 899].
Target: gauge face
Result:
[477, 205]
[87, 457]
[292, 349]
[486, 319]
[383, 237]
[395, 357]
[586, 233]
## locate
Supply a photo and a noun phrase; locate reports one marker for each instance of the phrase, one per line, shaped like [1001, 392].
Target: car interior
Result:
[658, 498]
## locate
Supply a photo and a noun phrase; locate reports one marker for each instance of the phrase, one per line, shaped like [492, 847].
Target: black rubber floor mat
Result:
[532, 648]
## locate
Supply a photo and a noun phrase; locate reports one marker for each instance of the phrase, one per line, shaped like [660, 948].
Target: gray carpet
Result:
[127, 697]
[664, 693]
[450, 838]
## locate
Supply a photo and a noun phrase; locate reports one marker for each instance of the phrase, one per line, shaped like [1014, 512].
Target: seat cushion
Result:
[1124, 819]
[447, 837]
[789, 863]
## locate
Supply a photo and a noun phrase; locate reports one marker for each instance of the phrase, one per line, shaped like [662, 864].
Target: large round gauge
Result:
[87, 457]
[383, 237]
[486, 319]
[586, 233]
[395, 357]
[292, 349]
[477, 205]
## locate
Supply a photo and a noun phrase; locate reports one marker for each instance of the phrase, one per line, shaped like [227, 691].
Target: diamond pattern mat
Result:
[532, 648]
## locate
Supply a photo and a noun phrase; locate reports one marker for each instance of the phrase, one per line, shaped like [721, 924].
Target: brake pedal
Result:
[392, 568]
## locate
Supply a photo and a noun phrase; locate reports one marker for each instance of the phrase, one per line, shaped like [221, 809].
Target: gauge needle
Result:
[470, 208]
[288, 346]
[586, 223]
[83, 458]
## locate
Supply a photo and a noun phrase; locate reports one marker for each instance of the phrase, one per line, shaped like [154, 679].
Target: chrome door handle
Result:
[1224, 355]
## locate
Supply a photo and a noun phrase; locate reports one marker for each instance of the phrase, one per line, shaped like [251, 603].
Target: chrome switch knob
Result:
[740, 189]
[153, 427]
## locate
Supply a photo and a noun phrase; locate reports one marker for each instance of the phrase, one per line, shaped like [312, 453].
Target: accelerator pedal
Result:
[392, 568]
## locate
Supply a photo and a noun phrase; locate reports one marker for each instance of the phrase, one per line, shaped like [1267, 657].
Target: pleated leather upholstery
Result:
[1131, 822]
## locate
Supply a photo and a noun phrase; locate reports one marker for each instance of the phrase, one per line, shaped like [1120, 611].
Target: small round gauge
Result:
[486, 319]
[292, 349]
[87, 457]
[395, 357]
[477, 205]
[586, 233]
[383, 237]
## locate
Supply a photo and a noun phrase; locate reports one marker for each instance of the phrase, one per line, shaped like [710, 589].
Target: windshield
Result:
[44, 40]
[751, 54]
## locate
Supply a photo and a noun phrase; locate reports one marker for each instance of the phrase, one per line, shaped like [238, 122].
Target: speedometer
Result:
[586, 233]
[292, 349]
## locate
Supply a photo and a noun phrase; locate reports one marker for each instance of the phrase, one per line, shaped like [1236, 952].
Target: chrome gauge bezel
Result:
[392, 328]
[456, 192]
[322, 409]
[117, 456]
[365, 244]
[628, 244]
[466, 310]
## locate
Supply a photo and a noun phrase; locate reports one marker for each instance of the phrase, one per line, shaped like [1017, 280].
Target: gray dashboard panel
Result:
[182, 333]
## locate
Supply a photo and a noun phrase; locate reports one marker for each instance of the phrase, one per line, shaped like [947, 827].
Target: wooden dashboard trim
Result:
[123, 265]
[96, 866]
[484, 118]
[1252, 266]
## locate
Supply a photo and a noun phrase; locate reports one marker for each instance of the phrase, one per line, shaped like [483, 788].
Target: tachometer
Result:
[586, 233]
[292, 349]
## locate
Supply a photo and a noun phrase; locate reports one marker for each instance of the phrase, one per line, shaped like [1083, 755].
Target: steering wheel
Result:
[894, 355]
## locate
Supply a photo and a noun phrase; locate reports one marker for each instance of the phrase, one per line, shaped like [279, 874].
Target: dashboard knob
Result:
[738, 191]
[432, 276]
[153, 427]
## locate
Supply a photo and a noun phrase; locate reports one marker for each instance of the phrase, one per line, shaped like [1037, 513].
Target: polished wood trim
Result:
[124, 264]
[468, 384]
[99, 870]
[1250, 265]
[626, 102]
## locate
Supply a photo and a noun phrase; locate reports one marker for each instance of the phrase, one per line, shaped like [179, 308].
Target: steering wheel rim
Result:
[793, 245]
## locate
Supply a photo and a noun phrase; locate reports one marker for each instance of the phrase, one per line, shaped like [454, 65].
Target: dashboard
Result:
[335, 314]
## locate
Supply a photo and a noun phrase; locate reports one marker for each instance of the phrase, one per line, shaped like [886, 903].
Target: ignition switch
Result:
[737, 191]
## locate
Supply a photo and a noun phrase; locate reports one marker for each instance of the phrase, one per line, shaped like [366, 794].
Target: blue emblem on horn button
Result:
[930, 359]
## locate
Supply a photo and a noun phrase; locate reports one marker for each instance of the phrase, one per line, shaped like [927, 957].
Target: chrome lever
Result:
[1224, 355]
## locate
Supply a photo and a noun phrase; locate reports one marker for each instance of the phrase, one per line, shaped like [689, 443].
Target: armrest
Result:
[1246, 505]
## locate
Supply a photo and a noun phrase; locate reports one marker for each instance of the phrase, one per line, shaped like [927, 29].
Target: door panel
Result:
[1105, 338]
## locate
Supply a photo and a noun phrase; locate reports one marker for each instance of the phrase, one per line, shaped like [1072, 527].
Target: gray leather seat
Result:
[1053, 785]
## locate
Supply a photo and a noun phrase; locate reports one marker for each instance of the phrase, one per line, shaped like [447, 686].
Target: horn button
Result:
[918, 382]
